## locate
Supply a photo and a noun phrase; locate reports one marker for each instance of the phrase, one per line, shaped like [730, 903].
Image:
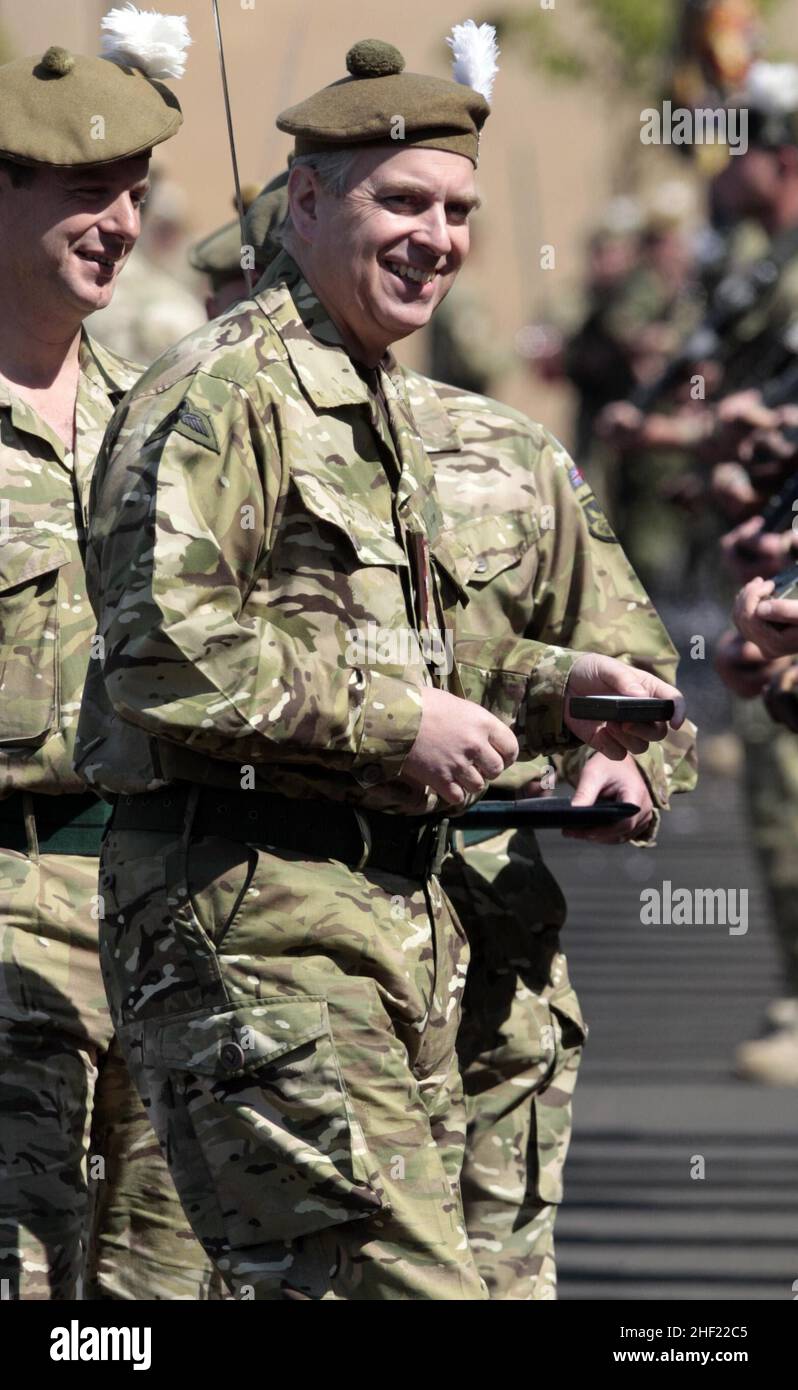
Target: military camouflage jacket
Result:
[266, 544]
[545, 563]
[46, 622]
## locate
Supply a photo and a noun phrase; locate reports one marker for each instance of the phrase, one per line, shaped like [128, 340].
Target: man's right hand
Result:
[459, 747]
[592, 674]
[742, 666]
[621, 424]
[752, 553]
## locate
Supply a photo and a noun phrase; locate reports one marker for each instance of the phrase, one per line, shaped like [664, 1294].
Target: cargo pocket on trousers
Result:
[263, 1090]
[551, 1107]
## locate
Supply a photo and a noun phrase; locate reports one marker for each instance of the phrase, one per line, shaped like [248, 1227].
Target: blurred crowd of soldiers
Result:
[684, 361]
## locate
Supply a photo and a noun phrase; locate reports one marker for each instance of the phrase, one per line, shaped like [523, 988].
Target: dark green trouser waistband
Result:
[63, 824]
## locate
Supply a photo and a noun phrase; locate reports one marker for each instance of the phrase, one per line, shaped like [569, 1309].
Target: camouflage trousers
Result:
[519, 1048]
[291, 1025]
[84, 1189]
[771, 786]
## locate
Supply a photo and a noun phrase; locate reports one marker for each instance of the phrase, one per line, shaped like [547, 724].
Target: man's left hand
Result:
[613, 781]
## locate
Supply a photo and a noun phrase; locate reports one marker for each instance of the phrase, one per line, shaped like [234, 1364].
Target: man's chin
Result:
[91, 297]
[403, 319]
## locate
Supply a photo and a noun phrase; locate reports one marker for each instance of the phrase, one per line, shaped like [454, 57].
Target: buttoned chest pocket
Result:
[335, 529]
[493, 545]
[30, 563]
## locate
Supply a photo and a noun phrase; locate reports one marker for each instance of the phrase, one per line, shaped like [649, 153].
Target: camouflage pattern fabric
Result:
[526, 518]
[257, 501]
[501, 478]
[65, 1093]
[82, 1175]
[291, 1025]
[259, 508]
[46, 621]
[519, 1048]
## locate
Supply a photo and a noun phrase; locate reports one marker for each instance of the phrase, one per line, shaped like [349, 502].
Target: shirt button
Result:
[370, 774]
[232, 1056]
[480, 566]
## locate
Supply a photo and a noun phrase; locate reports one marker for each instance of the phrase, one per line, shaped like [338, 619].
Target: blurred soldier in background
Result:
[463, 349]
[593, 360]
[69, 214]
[220, 255]
[657, 304]
[580, 346]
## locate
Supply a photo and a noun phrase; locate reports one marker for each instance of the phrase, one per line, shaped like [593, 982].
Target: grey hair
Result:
[333, 171]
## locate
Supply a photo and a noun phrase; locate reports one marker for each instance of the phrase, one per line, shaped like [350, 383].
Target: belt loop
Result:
[29, 817]
[192, 802]
[365, 831]
[440, 845]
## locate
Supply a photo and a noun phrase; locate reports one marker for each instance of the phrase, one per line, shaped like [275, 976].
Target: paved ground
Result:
[666, 1006]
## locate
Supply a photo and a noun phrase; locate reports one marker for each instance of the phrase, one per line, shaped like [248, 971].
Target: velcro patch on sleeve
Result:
[597, 523]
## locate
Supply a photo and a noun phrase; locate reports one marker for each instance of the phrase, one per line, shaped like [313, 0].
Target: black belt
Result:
[413, 846]
[67, 824]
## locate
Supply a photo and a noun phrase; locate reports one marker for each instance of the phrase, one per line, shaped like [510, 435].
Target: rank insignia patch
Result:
[196, 425]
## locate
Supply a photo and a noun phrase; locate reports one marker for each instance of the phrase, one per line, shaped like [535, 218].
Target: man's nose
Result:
[432, 231]
[122, 218]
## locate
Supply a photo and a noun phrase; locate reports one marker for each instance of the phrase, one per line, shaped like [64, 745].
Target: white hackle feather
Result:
[772, 87]
[155, 43]
[474, 54]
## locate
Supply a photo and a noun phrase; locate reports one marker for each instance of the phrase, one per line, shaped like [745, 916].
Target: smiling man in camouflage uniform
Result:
[279, 704]
[75, 138]
[523, 513]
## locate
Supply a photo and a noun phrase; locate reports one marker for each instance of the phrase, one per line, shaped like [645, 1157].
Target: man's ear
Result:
[303, 198]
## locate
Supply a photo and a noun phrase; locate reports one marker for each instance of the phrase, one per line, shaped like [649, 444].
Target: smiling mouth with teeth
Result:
[409, 272]
[105, 261]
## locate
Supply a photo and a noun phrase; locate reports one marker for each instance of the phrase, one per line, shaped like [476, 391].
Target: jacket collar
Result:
[437, 429]
[310, 337]
[103, 376]
[113, 374]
